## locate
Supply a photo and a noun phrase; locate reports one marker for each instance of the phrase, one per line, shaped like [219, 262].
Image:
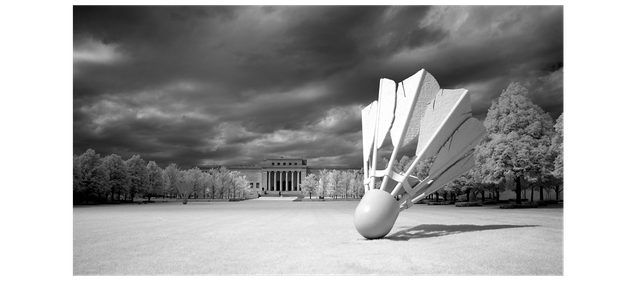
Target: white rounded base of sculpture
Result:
[376, 213]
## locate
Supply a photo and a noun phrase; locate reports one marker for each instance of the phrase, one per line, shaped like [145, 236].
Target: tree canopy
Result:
[518, 140]
[557, 145]
[118, 176]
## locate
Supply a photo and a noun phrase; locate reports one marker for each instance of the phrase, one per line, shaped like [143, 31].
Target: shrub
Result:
[441, 203]
[521, 205]
[465, 204]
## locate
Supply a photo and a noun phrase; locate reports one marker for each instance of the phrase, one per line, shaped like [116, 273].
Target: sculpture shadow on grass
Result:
[436, 230]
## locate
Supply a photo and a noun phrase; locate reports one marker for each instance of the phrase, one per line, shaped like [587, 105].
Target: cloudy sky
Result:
[231, 85]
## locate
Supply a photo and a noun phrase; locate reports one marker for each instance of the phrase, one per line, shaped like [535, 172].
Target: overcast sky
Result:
[230, 85]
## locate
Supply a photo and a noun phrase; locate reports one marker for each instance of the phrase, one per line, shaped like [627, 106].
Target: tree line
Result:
[113, 179]
[522, 151]
[335, 184]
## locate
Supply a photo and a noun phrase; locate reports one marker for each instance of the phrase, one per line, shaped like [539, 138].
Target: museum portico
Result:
[283, 181]
[283, 174]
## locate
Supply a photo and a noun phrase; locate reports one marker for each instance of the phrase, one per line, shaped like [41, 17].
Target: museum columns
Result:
[284, 180]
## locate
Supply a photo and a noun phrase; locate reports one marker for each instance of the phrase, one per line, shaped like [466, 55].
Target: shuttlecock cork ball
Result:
[376, 213]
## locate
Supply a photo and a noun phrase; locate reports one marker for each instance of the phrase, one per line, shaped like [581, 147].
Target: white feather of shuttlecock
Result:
[440, 119]
[369, 115]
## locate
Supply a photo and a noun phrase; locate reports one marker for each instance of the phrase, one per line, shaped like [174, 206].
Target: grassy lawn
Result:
[281, 237]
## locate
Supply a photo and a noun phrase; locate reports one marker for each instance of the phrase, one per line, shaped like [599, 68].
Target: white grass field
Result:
[312, 238]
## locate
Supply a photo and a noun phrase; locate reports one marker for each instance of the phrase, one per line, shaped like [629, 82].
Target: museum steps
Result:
[283, 194]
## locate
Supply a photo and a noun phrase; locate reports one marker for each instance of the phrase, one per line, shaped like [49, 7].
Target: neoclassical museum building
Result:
[279, 175]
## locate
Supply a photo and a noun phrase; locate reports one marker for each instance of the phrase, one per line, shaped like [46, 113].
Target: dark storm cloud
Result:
[337, 39]
[223, 85]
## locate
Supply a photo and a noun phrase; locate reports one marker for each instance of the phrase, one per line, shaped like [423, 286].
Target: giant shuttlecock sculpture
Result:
[441, 121]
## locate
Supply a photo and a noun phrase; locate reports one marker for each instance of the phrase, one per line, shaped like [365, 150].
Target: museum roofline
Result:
[262, 165]
[282, 158]
[315, 167]
[334, 167]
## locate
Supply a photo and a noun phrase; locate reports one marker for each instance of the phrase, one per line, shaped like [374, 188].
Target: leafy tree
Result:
[338, 183]
[215, 182]
[358, 186]
[76, 174]
[244, 186]
[453, 188]
[341, 183]
[558, 147]
[194, 177]
[422, 169]
[403, 164]
[185, 183]
[331, 183]
[206, 180]
[346, 182]
[239, 185]
[476, 182]
[75, 178]
[233, 175]
[310, 184]
[171, 176]
[352, 190]
[156, 180]
[137, 169]
[225, 181]
[517, 131]
[542, 157]
[118, 175]
[322, 187]
[484, 171]
[543, 175]
[183, 186]
[466, 183]
[93, 178]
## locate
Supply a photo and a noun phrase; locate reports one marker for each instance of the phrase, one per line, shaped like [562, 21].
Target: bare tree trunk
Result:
[482, 195]
[541, 191]
[518, 190]
[531, 193]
